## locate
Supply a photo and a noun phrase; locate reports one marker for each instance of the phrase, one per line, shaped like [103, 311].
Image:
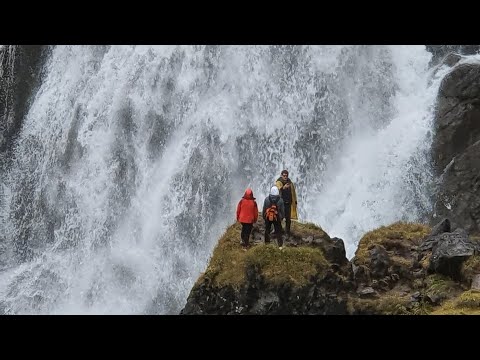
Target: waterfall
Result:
[131, 160]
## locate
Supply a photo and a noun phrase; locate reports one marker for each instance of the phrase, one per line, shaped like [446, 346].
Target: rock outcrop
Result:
[419, 270]
[398, 269]
[310, 275]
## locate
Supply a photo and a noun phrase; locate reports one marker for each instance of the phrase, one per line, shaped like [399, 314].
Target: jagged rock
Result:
[361, 274]
[443, 226]
[450, 251]
[427, 244]
[379, 261]
[416, 296]
[433, 299]
[462, 82]
[367, 292]
[390, 252]
[336, 251]
[451, 59]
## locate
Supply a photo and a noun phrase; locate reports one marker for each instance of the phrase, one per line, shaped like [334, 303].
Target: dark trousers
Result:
[246, 231]
[288, 220]
[278, 231]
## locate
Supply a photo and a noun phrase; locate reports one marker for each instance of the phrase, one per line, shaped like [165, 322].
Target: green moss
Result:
[304, 230]
[425, 262]
[401, 262]
[392, 304]
[421, 308]
[468, 303]
[471, 267]
[475, 237]
[229, 261]
[290, 265]
[395, 235]
[439, 285]
[434, 285]
[470, 298]
[227, 264]
[455, 311]
[417, 284]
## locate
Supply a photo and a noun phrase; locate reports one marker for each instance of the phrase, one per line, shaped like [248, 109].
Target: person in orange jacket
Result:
[247, 215]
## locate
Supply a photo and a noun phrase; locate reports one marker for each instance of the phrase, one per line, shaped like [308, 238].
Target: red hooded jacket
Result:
[247, 210]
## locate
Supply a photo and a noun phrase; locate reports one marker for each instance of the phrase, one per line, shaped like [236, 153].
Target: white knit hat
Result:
[274, 190]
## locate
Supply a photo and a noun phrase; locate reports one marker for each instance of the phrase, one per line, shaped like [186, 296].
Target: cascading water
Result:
[131, 160]
[382, 174]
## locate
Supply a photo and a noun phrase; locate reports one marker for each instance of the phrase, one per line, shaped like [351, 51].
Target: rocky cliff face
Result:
[456, 146]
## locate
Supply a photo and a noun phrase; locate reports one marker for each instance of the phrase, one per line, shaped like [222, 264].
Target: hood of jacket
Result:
[248, 194]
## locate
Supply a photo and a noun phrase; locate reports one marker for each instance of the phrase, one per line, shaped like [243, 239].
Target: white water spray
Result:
[382, 175]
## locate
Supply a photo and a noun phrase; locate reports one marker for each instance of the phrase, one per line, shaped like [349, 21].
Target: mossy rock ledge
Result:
[403, 268]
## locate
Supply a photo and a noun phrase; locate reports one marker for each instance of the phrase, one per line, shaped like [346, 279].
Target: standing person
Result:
[273, 213]
[289, 197]
[247, 215]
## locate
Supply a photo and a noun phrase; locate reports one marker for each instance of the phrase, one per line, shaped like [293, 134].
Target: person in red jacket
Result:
[247, 215]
